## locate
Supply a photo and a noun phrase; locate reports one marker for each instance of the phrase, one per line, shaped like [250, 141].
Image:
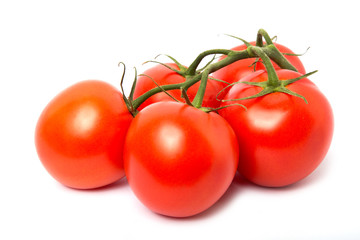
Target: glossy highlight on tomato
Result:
[239, 69]
[178, 159]
[281, 138]
[80, 135]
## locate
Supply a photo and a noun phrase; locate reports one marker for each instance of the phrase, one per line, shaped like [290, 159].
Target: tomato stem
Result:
[197, 102]
[278, 57]
[193, 74]
[273, 79]
[193, 67]
[263, 34]
[272, 51]
[233, 56]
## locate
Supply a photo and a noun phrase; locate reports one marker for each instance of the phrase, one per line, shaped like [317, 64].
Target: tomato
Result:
[178, 159]
[80, 134]
[281, 138]
[164, 76]
[239, 69]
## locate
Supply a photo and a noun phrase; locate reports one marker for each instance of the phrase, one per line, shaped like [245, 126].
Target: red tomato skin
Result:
[239, 69]
[179, 160]
[281, 138]
[165, 76]
[80, 134]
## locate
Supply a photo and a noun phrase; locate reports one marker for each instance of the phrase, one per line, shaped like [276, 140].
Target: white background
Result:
[45, 46]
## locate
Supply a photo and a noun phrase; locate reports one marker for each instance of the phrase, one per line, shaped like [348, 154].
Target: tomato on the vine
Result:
[239, 69]
[165, 76]
[80, 135]
[281, 138]
[178, 159]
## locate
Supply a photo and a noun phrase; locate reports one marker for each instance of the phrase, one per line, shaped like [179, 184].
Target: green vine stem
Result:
[278, 57]
[193, 75]
[197, 102]
[263, 34]
[233, 56]
[195, 64]
[273, 79]
[272, 51]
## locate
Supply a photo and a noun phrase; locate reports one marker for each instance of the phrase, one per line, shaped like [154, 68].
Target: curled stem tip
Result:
[297, 54]
[165, 65]
[121, 64]
[244, 41]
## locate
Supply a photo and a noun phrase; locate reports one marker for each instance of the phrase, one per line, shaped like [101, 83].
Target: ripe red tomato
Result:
[281, 138]
[239, 69]
[164, 76]
[80, 135]
[179, 160]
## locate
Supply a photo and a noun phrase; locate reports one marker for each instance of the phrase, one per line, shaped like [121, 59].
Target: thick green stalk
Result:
[139, 100]
[193, 75]
[197, 102]
[263, 34]
[278, 57]
[272, 51]
[194, 65]
[273, 79]
[233, 56]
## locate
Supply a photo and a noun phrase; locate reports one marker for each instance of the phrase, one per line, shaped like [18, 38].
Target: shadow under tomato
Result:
[236, 187]
[240, 186]
[317, 175]
[113, 186]
[116, 185]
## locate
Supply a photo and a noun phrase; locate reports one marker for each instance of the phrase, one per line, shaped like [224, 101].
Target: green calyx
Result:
[273, 84]
[267, 88]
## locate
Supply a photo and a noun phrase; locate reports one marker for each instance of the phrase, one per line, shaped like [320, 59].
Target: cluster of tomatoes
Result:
[179, 159]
